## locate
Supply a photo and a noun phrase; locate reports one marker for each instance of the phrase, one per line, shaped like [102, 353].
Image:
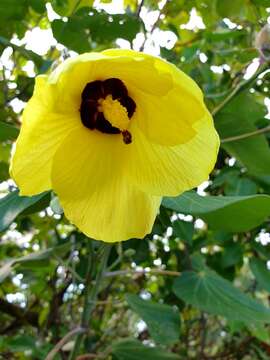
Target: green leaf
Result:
[211, 293]
[68, 33]
[8, 132]
[261, 273]
[184, 230]
[230, 8]
[98, 26]
[240, 186]
[13, 205]
[222, 212]
[134, 350]
[232, 255]
[252, 152]
[34, 258]
[4, 171]
[67, 7]
[162, 320]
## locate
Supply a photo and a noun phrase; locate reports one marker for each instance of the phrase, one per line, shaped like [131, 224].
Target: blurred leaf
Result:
[232, 255]
[34, 258]
[22, 343]
[230, 9]
[134, 350]
[162, 320]
[184, 230]
[8, 132]
[253, 152]
[4, 171]
[67, 7]
[261, 273]
[240, 186]
[222, 212]
[56, 206]
[211, 293]
[12, 205]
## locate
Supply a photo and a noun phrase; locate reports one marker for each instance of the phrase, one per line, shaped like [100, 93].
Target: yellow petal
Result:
[43, 129]
[88, 176]
[136, 72]
[169, 171]
[167, 119]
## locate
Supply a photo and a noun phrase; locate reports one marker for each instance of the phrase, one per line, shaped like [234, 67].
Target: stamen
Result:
[114, 112]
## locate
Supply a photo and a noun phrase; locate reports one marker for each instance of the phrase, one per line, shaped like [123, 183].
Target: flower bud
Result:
[262, 42]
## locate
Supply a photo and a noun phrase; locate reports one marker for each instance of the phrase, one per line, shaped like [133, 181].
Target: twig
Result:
[246, 135]
[91, 293]
[142, 272]
[154, 25]
[138, 13]
[63, 341]
[203, 334]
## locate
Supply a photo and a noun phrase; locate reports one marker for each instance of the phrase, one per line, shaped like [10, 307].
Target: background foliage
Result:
[198, 286]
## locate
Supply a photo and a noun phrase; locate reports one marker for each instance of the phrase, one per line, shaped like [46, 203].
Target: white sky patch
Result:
[29, 68]
[183, 217]
[149, 17]
[141, 326]
[203, 58]
[231, 25]
[202, 187]
[22, 240]
[123, 44]
[5, 59]
[252, 68]
[17, 105]
[114, 7]
[267, 104]
[231, 161]
[195, 21]
[263, 237]
[157, 262]
[165, 39]
[217, 69]
[18, 298]
[52, 15]
[199, 224]
[39, 40]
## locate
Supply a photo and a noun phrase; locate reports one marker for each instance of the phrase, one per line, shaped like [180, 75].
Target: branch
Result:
[142, 272]
[63, 341]
[246, 135]
[18, 313]
[154, 25]
[138, 13]
[239, 88]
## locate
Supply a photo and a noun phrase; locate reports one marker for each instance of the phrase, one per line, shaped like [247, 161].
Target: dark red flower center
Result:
[92, 117]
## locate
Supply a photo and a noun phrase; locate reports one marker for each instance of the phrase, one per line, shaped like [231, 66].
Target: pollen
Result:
[114, 112]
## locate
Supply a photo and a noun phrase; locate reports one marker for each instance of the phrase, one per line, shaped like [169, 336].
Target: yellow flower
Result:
[111, 133]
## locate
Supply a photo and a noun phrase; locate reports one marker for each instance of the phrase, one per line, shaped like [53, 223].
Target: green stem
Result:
[239, 88]
[91, 293]
[246, 135]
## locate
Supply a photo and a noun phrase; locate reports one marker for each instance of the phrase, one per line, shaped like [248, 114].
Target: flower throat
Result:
[107, 107]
